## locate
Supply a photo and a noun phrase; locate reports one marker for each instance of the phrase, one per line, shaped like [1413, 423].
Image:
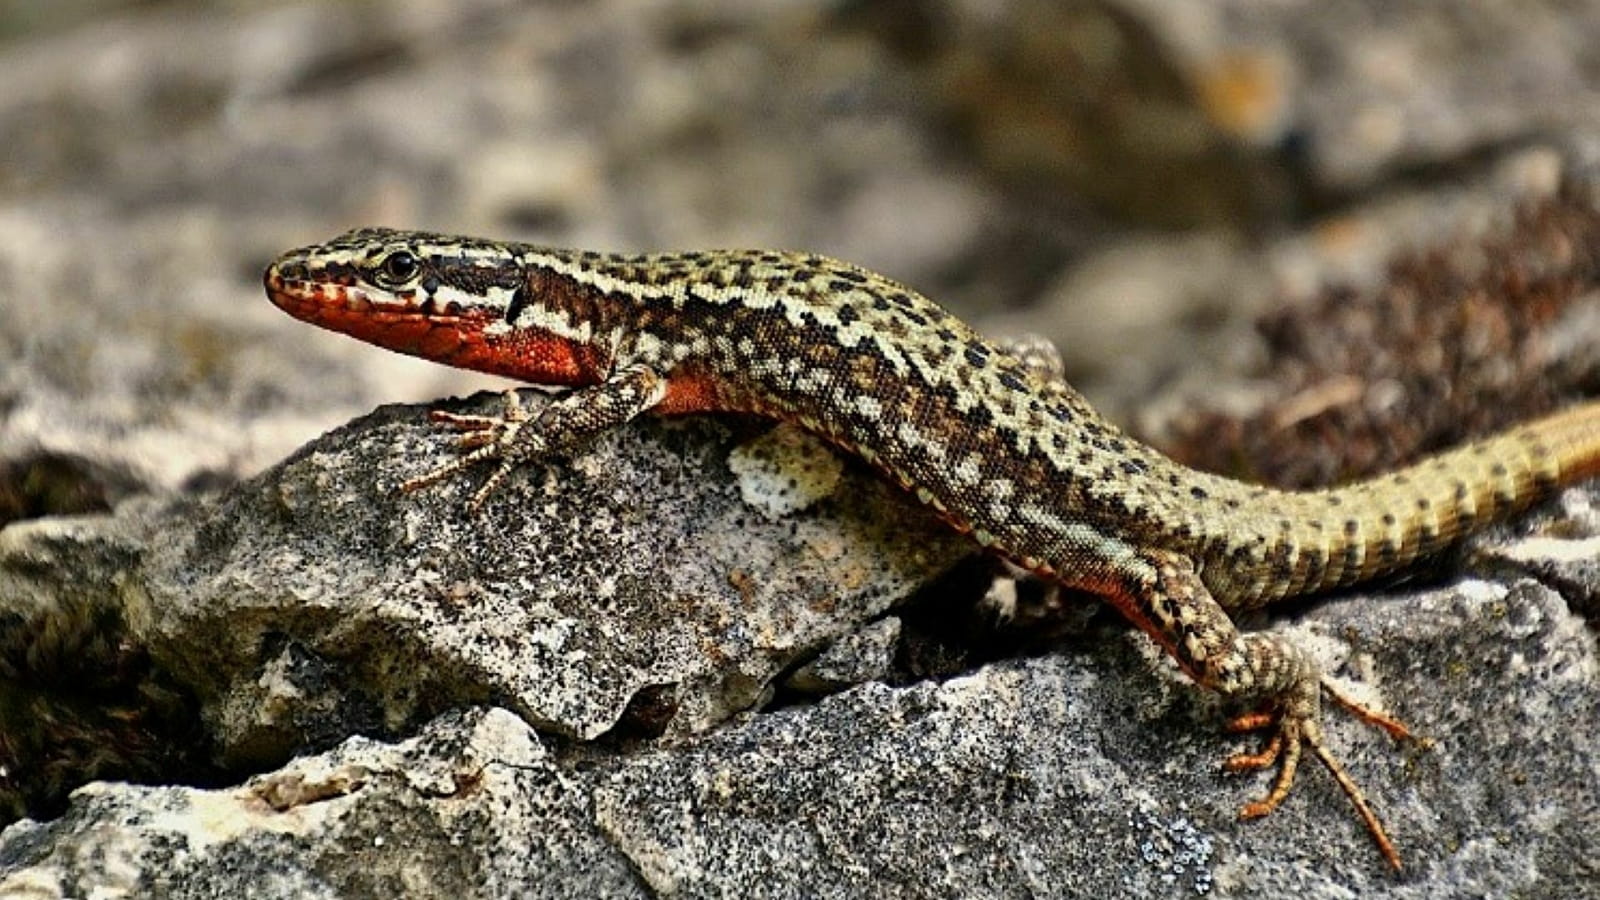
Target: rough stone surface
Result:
[1085, 772]
[866, 655]
[473, 806]
[317, 600]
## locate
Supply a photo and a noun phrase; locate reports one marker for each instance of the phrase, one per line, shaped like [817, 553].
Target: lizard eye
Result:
[398, 268]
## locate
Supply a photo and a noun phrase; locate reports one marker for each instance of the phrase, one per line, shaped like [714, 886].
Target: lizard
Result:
[996, 445]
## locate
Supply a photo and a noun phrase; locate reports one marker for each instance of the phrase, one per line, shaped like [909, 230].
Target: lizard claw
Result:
[1292, 732]
[469, 423]
[495, 479]
[484, 438]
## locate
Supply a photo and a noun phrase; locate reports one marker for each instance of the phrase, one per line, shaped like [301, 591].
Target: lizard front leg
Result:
[1266, 673]
[515, 436]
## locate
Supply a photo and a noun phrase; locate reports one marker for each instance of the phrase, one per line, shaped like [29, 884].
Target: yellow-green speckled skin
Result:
[1001, 449]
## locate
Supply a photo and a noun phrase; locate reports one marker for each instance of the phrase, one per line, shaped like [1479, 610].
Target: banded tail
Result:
[1325, 539]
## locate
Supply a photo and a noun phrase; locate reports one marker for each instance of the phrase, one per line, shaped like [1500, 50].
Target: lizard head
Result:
[449, 299]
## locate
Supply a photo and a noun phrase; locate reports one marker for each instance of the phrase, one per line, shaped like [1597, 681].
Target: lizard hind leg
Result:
[1263, 671]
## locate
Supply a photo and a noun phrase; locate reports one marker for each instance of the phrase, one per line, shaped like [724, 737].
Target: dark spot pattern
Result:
[762, 324]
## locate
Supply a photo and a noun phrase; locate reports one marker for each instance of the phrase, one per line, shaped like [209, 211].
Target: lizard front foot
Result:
[512, 438]
[517, 436]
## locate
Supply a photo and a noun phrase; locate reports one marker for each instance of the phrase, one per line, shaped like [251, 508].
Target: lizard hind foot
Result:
[1293, 730]
[1267, 672]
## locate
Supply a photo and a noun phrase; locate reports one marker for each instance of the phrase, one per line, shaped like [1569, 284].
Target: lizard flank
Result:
[994, 442]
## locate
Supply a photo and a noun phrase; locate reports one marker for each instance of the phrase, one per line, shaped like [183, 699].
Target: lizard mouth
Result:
[398, 322]
[315, 301]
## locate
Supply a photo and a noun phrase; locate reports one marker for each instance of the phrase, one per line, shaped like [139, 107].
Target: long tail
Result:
[1331, 538]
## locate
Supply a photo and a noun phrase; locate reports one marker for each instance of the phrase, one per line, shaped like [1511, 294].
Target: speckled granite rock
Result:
[473, 806]
[317, 601]
[1088, 771]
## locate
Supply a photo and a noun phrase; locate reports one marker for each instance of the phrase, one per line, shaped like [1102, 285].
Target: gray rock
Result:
[317, 600]
[1085, 772]
[866, 655]
[473, 806]
[1229, 110]
[1565, 554]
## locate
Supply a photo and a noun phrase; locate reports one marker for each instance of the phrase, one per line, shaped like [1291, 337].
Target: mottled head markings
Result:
[401, 273]
[463, 301]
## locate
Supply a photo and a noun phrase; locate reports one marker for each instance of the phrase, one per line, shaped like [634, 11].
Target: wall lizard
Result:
[999, 448]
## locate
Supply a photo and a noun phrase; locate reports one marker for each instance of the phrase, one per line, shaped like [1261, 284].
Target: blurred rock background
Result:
[1136, 180]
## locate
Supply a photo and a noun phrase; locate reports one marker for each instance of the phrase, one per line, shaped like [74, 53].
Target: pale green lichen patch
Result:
[785, 471]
